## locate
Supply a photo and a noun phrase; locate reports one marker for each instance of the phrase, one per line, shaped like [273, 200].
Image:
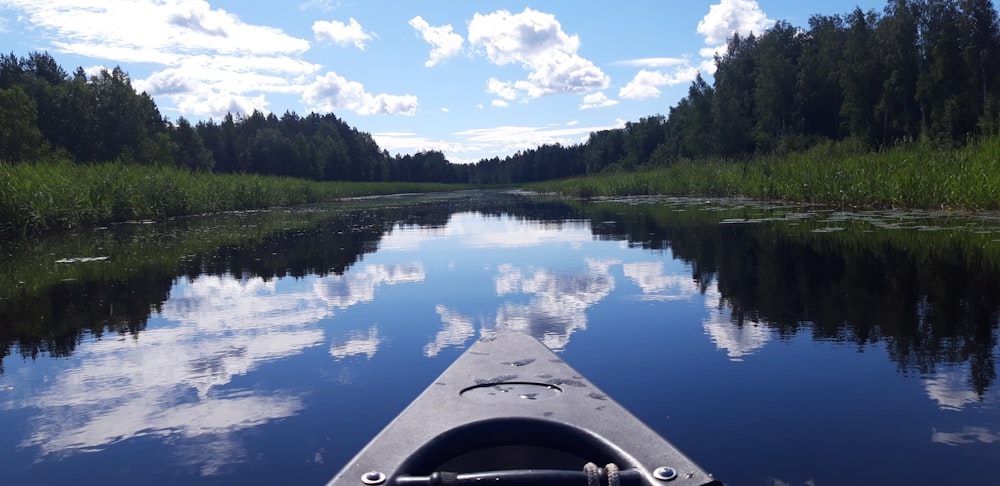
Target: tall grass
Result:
[915, 176]
[36, 197]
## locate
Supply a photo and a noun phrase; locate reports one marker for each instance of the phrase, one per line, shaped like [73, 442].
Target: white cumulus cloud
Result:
[207, 59]
[717, 26]
[168, 81]
[404, 141]
[653, 62]
[341, 34]
[535, 41]
[157, 36]
[724, 19]
[597, 100]
[324, 5]
[332, 92]
[198, 17]
[509, 139]
[646, 84]
[216, 85]
[219, 103]
[503, 89]
[446, 42]
[97, 70]
[732, 16]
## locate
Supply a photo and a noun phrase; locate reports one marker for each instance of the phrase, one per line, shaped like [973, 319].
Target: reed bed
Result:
[38, 197]
[913, 176]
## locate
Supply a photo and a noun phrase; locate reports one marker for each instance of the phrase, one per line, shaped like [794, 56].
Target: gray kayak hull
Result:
[510, 411]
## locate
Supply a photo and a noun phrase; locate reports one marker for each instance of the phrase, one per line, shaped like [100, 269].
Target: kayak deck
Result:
[510, 411]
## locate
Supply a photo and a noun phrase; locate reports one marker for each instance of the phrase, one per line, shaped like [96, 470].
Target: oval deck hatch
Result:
[511, 391]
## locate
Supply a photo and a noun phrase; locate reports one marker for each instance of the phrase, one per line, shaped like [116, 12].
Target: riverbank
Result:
[39, 197]
[913, 176]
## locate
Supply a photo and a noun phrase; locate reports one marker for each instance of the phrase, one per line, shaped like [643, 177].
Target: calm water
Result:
[774, 345]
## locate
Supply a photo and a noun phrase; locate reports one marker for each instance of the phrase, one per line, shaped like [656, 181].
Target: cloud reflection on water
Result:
[359, 286]
[556, 308]
[656, 285]
[473, 230]
[508, 232]
[357, 343]
[966, 435]
[951, 388]
[457, 329]
[169, 383]
[558, 302]
[736, 341]
[166, 382]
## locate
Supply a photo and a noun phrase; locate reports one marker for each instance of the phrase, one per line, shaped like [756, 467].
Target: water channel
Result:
[774, 344]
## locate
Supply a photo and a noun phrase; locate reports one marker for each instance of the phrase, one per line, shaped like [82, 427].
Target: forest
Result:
[920, 71]
[48, 114]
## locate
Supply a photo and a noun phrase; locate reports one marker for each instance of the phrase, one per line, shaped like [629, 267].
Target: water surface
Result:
[773, 344]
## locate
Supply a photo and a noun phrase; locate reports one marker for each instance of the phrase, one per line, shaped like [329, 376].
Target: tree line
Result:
[921, 70]
[46, 113]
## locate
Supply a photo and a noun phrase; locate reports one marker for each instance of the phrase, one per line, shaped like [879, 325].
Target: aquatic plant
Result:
[36, 197]
[911, 176]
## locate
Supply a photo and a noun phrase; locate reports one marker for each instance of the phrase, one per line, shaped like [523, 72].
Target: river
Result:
[774, 344]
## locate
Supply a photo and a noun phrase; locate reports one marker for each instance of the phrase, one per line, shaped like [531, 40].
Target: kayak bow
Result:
[509, 411]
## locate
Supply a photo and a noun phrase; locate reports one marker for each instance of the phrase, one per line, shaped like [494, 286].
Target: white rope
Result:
[593, 474]
[612, 470]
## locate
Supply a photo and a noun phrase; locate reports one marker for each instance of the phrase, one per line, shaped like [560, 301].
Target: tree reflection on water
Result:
[931, 297]
[182, 325]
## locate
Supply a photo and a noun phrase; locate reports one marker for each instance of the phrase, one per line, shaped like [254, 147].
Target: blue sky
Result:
[471, 79]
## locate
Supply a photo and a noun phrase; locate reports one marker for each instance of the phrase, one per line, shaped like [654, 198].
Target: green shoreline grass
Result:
[913, 176]
[40, 197]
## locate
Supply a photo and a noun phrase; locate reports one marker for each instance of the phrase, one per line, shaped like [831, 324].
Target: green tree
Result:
[861, 77]
[604, 148]
[981, 54]
[945, 106]
[20, 139]
[42, 80]
[124, 117]
[691, 124]
[898, 40]
[78, 129]
[224, 141]
[733, 104]
[644, 136]
[44, 67]
[11, 71]
[189, 150]
[266, 150]
[818, 95]
[776, 58]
